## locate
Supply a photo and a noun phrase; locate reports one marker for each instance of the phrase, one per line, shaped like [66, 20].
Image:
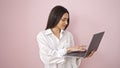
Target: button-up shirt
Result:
[52, 49]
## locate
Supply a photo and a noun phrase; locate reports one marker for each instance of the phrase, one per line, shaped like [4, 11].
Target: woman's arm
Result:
[49, 55]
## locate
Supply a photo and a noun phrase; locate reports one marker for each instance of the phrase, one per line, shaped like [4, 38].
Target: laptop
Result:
[93, 46]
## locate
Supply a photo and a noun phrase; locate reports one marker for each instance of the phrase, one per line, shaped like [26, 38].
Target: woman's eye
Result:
[63, 19]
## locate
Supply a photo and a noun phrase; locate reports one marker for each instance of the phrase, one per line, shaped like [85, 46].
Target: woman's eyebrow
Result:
[64, 18]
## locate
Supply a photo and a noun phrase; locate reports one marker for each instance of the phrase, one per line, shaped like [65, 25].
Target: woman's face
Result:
[63, 22]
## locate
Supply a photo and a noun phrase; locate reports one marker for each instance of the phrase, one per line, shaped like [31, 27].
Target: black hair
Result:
[55, 16]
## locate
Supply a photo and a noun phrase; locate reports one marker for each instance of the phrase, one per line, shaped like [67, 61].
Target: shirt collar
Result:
[49, 31]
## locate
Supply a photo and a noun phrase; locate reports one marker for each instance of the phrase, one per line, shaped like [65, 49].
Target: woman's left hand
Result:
[92, 52]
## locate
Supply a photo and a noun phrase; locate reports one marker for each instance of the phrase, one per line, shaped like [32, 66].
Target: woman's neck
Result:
[56, 32]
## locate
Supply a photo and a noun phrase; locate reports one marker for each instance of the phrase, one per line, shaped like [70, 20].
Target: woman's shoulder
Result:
[41, 33]
[44, 32]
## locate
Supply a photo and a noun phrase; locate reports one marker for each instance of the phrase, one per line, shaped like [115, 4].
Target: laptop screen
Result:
[95, 42]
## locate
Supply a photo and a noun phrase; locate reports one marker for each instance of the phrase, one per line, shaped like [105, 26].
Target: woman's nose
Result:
[66, 22]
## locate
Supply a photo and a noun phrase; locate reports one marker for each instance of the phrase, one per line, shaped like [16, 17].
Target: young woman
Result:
[55, 41]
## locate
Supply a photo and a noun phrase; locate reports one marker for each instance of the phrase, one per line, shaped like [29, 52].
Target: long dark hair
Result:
[55, 16]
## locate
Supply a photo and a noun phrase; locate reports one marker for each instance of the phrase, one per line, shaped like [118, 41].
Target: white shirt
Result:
[52, 49]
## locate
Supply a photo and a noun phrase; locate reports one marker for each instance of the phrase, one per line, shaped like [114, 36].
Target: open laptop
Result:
[96, 39]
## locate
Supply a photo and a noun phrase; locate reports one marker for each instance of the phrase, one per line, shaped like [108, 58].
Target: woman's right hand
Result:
[76, 48]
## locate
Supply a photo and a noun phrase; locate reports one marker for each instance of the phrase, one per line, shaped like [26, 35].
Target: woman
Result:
[55, 41]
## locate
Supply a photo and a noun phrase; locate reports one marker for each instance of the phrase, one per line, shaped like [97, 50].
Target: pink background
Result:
[21, 20]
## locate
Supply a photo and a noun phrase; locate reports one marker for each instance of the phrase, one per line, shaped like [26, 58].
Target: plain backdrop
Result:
[22, 20]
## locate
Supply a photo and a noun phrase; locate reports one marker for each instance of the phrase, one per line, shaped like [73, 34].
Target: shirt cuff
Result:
[62, 52]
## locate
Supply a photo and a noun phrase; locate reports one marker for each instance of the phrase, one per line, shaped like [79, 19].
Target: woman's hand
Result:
[92, 52]
[76, 48]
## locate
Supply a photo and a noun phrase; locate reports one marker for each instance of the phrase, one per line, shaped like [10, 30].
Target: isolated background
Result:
[21, 20]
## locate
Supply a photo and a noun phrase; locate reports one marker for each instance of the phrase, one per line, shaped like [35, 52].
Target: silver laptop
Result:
[96, 39]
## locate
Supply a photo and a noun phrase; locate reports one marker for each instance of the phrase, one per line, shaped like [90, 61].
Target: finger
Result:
[91, 53]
